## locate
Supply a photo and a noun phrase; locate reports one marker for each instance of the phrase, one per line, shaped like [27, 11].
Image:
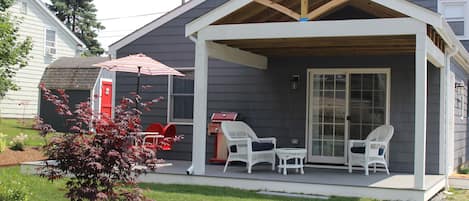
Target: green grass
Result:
[13, 127]
[458, 194]
[43, 190]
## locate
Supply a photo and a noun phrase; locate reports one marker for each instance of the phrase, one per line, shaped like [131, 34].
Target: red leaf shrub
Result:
[99, 153]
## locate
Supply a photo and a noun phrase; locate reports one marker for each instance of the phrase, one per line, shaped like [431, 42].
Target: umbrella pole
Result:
[138, 88]
[138, 81]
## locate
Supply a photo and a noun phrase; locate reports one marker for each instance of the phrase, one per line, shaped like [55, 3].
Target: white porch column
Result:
[420, 109]
[443, 136]
[200, 107]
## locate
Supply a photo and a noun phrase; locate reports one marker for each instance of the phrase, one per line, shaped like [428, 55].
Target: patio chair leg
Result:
[296, 164]
[367, 170]
[273, 163]
[349, 166]
[386, 166]
[301, 165]
[226, 165]
[249, 168]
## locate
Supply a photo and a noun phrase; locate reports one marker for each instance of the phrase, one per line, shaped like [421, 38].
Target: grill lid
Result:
[224, 116]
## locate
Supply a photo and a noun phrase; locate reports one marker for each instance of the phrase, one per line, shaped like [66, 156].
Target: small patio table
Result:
[285, 154]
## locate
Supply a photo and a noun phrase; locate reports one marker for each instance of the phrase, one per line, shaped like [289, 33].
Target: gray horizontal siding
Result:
[263, 98]
[466, 44]
[461, 133]
[168, 45]
[428, 4]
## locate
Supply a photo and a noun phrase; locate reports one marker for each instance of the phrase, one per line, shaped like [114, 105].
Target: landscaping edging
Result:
[10, 157]
[459, 181]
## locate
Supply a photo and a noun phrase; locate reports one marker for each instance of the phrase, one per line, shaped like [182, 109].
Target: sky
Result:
[121, 17]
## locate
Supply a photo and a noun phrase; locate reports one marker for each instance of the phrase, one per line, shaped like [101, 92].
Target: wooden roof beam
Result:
[304, 9]
[315, 14]
[279, 8]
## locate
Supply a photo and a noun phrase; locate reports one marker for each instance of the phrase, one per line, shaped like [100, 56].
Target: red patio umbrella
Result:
[140, 64]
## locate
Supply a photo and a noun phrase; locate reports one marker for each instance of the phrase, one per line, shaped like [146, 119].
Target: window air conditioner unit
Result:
[51, 51]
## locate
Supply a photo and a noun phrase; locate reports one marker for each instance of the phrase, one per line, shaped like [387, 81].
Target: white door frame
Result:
[347, 72]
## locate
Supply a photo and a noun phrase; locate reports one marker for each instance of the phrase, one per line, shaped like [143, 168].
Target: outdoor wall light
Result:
[459, 84]
[294, 82]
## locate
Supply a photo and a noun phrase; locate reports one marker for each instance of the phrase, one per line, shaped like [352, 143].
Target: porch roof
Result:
[274, 11]
[327, 46]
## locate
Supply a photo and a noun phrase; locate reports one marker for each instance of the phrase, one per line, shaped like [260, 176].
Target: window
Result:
[181, 97]
[24, 8]
[457, 14]
[50, 41]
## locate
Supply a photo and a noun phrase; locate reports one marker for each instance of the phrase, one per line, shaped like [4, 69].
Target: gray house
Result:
[314, 74]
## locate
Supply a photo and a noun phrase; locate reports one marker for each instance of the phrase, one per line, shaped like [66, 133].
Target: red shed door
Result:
[106, 98]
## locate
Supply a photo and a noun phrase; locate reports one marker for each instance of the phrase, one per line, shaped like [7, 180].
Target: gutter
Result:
[461, 55]
[453, 51]
[190, 170]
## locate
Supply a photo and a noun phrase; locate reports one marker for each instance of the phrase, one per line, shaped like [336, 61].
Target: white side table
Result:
[285, 154]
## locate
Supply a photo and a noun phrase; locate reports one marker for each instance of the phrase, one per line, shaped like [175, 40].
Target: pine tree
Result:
[80, 17]
[13, 50]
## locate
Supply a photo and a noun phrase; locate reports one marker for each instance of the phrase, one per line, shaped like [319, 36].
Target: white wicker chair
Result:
[239, 139]
[372, 150]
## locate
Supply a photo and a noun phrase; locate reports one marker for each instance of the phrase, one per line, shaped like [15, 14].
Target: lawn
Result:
[43, 190]
[13, 127]
[458, 194]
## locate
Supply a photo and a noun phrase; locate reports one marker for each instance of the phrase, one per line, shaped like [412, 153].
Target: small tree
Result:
[101, 160]
[13, 51]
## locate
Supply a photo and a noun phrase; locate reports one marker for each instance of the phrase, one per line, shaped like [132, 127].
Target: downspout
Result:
[451, 53]
[190, 170]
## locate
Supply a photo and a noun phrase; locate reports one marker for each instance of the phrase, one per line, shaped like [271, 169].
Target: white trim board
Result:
[153, 25]
[434, 54]
[338, 28]
[235, 55]
[291, 187]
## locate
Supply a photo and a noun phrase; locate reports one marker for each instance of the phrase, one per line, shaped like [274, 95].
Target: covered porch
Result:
[315, 181]
[403, 33]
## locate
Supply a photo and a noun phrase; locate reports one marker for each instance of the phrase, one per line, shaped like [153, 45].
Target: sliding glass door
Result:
[343, 104]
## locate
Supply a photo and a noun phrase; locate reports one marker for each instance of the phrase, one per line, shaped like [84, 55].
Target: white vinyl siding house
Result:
[48, 35]
[456, 13]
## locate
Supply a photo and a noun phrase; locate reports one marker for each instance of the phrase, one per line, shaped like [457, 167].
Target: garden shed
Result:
[81, 81]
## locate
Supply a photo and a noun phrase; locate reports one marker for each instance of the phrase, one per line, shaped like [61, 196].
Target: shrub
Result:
[100, 160]
[13, 191]
[17, 143]
[3, 142]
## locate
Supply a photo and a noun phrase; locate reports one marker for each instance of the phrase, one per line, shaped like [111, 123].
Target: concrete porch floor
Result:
[319, 181]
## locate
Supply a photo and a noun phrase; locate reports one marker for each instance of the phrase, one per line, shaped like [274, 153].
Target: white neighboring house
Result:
[51, 39]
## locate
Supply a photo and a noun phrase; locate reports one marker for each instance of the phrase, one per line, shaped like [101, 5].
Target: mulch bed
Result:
[460, 176]
[10, 157]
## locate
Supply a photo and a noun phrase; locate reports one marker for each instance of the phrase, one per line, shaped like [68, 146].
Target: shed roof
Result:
[72, 73]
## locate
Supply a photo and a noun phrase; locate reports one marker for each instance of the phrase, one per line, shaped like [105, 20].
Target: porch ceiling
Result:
[327, 46]
[353, 9]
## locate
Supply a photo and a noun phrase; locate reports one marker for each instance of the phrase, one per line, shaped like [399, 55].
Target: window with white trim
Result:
[50, 42]
[181, 97]
[456, 13]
